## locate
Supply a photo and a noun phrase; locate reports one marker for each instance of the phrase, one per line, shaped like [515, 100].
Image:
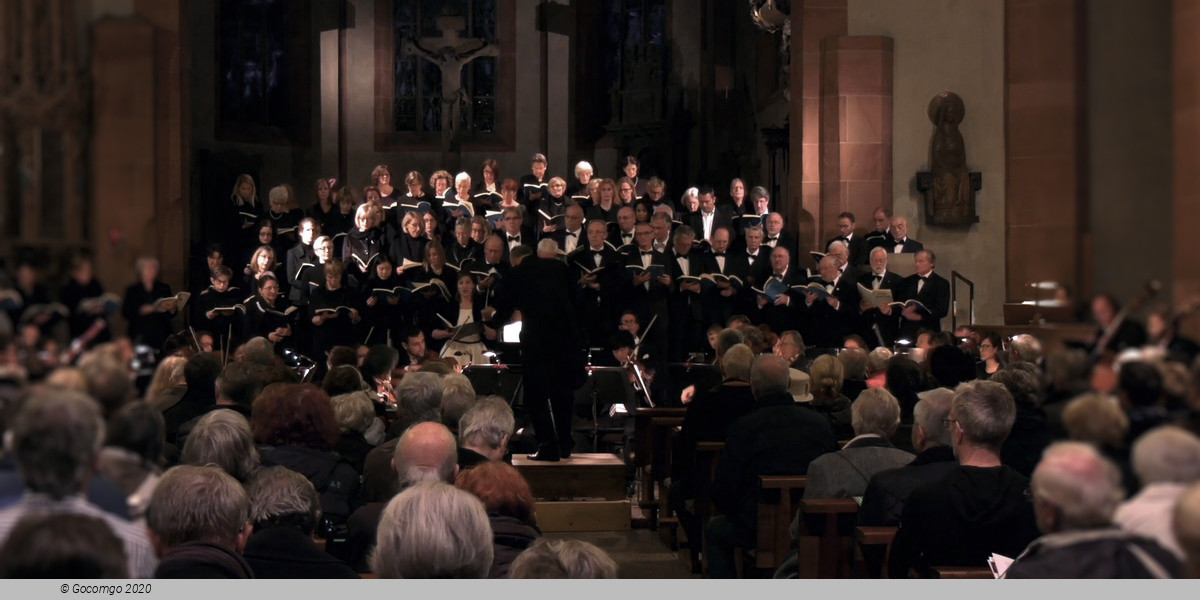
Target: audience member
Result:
[510, 508]
[223, 438]
[433, 530]
[56, 438]
[1166, 460]
[978, 509]
[484, 431]
[199, 521]
[63, 546]
[875, 415]
[133, 453]
[563, 559]
[285, 510]
[1075, 492]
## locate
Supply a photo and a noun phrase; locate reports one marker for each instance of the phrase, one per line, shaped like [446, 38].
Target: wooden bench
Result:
[708, 455]
[778, 497]
[826, 527]
[652, 454]
[959, 573]
[583, 493]
[874, 545]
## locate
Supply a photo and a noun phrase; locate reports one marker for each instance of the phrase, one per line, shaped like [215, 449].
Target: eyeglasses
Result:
[946, 422]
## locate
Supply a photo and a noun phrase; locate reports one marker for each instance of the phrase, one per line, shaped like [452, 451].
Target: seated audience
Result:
[133, 453]
[886, 493]
[827, 376]
[1099, 420]
[484, 431]
[433, 530]
[355, 416]
[56, 438]
[1075, 492]
[1186, 526]
[510, 508]
[285, 510]
[845, 473]
[778, 437]
[563, 559]
[978, 509]
[199, 521]
[62, 546]
[1166, 460]
[223, 438]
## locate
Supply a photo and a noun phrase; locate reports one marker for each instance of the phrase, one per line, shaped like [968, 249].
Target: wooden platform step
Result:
[581, 476]
[583, 515]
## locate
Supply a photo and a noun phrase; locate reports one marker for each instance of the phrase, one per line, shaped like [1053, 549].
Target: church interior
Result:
[1075, 126]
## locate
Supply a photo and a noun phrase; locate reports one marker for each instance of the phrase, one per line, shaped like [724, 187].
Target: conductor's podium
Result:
[583, 493]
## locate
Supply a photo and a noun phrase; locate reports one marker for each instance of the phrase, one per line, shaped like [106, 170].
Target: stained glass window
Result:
[417, 105]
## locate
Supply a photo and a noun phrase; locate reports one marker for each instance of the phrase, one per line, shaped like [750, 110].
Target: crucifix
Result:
[451, 53]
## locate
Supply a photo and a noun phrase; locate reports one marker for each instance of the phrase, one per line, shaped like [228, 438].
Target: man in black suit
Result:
[778, 437]
[513, 231]
[463, 249]
[571, 235]
[709, 217]
[720, 300]
[490, 269]
[883, 318]
[687, 332]
[854, 242]
[754, 263]
[841, 251]
[882, 234]
[622, 235]
[646, 292]
[299, 255]
[599, 293]
[776, 237]
[830, 319]
[781, 314]
[661, 229]
[552, 368]
[900, 241]
[928, 288]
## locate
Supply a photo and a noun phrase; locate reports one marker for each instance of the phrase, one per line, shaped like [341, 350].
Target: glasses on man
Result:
[947, 423]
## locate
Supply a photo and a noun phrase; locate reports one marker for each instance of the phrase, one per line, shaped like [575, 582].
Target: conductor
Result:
[553, 364]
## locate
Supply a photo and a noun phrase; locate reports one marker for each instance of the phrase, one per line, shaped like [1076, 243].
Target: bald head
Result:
[426, 452]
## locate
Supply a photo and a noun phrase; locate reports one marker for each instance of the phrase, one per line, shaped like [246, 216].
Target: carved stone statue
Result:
[451, 53]
[949, 188]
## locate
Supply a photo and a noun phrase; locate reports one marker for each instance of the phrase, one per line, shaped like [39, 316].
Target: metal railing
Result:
[955, 277]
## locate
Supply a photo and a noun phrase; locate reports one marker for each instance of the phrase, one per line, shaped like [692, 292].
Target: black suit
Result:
[686, 308]
[909, 245]
[457, 255]
[600, 308]
[859, 253]
[617, 238]
[889, 325]
[786, 317]
[935, 295]
[878, 239]
[826, 326]
[550, 346]
[718, 308]
[297, 256]
[785, 240]
[720, 218]
[560, 238]
[649, 299]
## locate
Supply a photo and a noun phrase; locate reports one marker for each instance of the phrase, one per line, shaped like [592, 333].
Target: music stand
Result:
[605, 388]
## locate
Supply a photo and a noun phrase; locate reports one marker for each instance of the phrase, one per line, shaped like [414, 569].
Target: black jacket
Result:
[1106, 553]
[336, 481]
[889, 490]
[778, 437]
[283, 552]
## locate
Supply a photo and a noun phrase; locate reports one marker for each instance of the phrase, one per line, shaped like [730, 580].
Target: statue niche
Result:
[948, 187]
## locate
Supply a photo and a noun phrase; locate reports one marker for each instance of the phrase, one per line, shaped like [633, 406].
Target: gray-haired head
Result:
[563, 559]
[875, 411]
[1074, 487]
[223, 438]
[736, 362]
[199, 504]
[929, 414]
[487, 425]
[419, 396]
[433, 530]
[1167, 454]
[56, 437]
[985, 410]
[458, 395]
[280, 496]
[353, 411]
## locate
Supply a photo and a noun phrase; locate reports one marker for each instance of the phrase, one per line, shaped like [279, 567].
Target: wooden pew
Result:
[708, 454]
[959, 573]
[778, 497]
[652, 453]
[874, 545]
[826, 527]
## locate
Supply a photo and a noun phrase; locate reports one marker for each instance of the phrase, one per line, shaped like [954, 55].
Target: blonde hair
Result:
[167, 375]
[827, 376]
